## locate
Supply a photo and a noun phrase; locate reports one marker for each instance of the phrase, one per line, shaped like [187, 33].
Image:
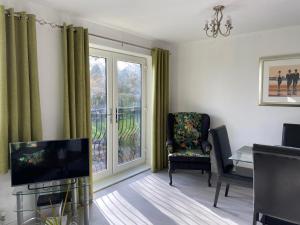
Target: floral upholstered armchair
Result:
[187, 144]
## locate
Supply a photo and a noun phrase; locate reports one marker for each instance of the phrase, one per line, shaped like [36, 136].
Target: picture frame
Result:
[279, 81]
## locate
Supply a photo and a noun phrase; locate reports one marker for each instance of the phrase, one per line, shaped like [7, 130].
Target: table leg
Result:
[74, 203]
[20, 218]
[37, 215]
[86, 202]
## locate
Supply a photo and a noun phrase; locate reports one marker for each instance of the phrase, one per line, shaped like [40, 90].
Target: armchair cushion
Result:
[187, 130]
[189, 153]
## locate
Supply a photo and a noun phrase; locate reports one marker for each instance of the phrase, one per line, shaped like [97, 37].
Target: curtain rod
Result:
[119, 41]
[41, 21]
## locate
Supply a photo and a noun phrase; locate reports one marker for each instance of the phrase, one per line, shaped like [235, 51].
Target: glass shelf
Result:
[42, 208]
[23, 190]
[72, 205]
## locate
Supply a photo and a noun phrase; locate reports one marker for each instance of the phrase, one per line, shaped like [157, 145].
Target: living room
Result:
[174, 66]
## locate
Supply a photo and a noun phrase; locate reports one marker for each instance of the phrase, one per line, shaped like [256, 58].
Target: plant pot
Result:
[55, 220]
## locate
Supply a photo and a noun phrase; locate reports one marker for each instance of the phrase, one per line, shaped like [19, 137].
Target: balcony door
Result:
[117, 111]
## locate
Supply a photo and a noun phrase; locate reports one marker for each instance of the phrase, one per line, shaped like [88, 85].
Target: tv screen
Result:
[43, 161]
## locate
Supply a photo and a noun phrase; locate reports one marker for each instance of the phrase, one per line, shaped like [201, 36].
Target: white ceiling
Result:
[180, 20]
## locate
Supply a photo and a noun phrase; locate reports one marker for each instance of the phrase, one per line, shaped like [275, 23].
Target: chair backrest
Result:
[290, 135]
[222, 149]
[185, 128]
[277, 182]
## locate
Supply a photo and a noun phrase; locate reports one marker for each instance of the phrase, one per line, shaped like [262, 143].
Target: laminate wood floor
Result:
[147, 199]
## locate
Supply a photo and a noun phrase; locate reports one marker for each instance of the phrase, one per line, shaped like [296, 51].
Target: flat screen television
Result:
[44, 161]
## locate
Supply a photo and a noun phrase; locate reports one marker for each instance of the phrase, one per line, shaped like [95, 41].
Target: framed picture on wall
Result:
[279, 81]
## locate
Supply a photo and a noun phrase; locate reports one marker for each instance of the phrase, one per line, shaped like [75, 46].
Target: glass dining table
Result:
[243, 154]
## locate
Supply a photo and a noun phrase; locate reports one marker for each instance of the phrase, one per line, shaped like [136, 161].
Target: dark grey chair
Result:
[225, 167]
[268, 220]
[290, 135]
[276, 184]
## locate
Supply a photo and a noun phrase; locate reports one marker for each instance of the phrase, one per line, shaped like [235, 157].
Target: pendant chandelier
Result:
[214, 28]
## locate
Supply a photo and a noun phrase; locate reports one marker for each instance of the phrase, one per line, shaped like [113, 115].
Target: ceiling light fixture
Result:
[214, 28]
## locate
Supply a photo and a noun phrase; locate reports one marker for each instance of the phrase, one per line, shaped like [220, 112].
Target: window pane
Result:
[129, 111]
[98, 78]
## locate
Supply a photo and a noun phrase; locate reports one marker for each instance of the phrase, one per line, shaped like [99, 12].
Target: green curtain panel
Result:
[160, 67]
[77, 122]
[20, 112]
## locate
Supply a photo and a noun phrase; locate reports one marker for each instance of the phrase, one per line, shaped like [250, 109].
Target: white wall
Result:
[51, 74]
[220, 77]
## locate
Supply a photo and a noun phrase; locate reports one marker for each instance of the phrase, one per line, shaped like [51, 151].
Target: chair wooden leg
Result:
[218, 188]
[170, 175]
[227, 190]
[209, 179]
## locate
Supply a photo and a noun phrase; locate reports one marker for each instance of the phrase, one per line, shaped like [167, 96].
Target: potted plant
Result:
[59, 219]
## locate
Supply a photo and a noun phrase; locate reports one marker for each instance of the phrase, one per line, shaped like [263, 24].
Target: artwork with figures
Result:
[279, 80]
[284, 80]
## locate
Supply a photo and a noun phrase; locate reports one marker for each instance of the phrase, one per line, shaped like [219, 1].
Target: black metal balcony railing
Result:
[99, 138]
[129, 135]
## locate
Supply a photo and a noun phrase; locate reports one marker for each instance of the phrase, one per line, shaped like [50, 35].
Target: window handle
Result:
[117, 117]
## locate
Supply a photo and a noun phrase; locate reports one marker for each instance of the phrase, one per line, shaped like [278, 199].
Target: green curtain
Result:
[20, 112]
[160, 67]
[77, 122]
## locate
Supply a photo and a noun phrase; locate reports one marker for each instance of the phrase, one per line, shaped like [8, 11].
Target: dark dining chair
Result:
[276, 185]
[290, 135]
[269, 220]
[225, 168]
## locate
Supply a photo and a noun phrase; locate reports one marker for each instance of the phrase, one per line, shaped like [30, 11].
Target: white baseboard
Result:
[109, 181]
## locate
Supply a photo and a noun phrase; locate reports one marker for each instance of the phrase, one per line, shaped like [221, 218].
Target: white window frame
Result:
[112, 140]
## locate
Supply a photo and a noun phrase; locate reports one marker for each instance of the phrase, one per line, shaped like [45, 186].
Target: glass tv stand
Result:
[36, 191]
